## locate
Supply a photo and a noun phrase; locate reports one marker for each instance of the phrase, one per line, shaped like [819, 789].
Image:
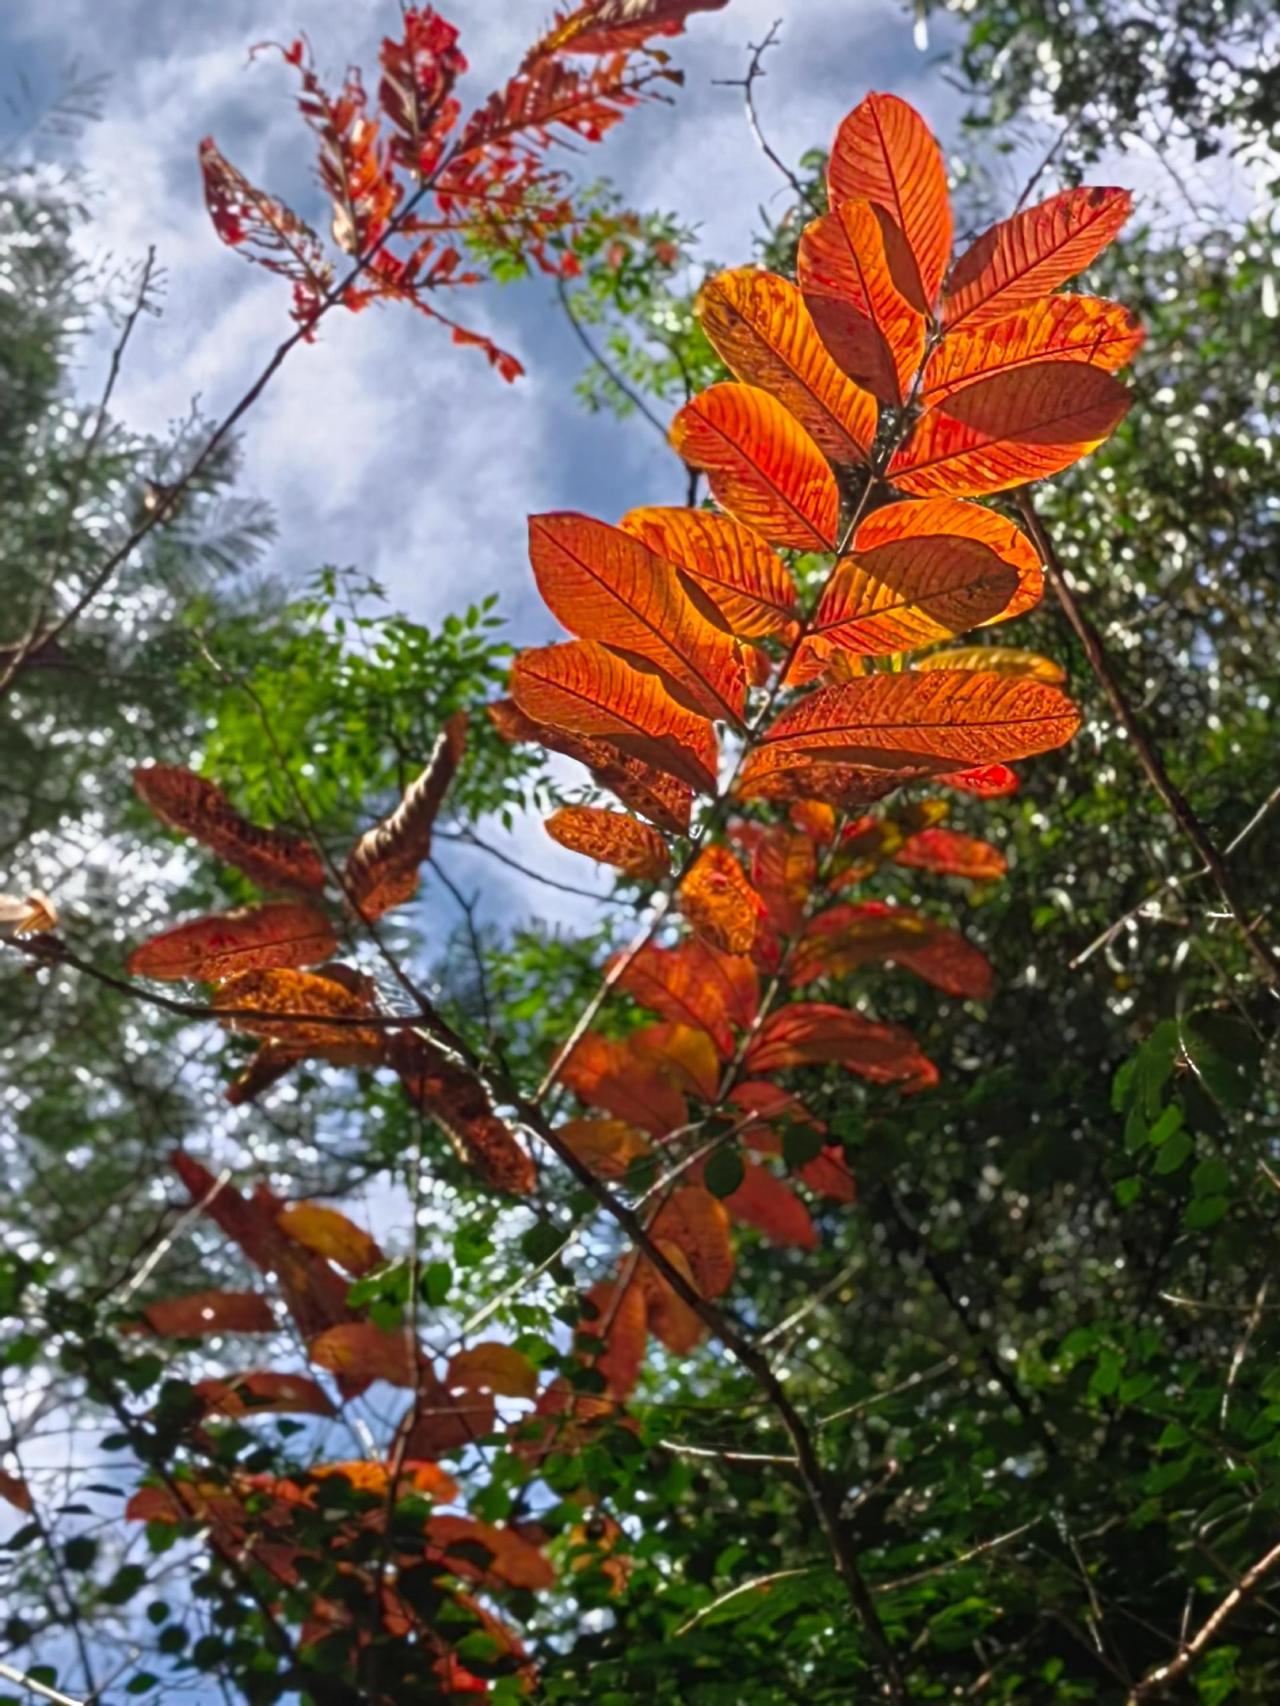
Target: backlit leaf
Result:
[186, 802]
[608, 1147]
[1026, 257]
[609, 1075]
[264, 1392]
[748, 583]
[293, 1006]
[872, 331]
[662, 799]
[984, 781]
[1059, 328]
[778, 774]
[606, 585]
[457, 1101]
[382, 869]
[720, 903]
[784, 868]
[696, 985]
[610, 838]
[1018, 426]
[936, 719]
[998, 660]
[367, 1352]
[255, 938]
[763, 332]
[672, 1321]
[951, 854]
[885, 152]
[618, 1316]
[811, 1033]
[761, 465]
[698, 1225]
[586, 690]
[772, 1207]
[684, 1054]
[492, 1367]
[613, 26]
[202, 1312]
[264, 230]
[331, 1235]
[845, 938]
[513, 1561]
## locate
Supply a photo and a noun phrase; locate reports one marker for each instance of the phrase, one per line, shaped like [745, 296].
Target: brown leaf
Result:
[264, 1392]
[189, 804]
[331, 1235]
[203, 1312]
[382, 868]
[454, 1098]
[493, 1367]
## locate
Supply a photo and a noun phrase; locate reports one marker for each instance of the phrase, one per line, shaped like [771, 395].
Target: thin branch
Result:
[467, 838]
[606, 367]
[40, 1688]
[1149, 758]
[1159, 1680]
[755, 71]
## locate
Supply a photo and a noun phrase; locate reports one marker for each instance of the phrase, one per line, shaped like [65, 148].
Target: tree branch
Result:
[1159, 1680]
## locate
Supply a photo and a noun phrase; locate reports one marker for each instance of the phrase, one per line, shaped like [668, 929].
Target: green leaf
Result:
[1171, 1154]
[724, 1172]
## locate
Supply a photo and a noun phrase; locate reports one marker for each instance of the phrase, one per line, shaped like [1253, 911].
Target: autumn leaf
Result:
[31, 914]
[189, 804]
[607, 1147]
[382, 868]
[331, 1235]
[512, 1561]
[267, 1065]
[672, 1321]
[764, 333]
[815, 818]
[948, 853]
[783, 775]
[784, 869]
[584, 689]
[997, 660]
[610, 838]
[844, 938]
[607, 1074]
[885, 153]
[871, 330]
[265, 231]
[264, 1392]
[935, 719]
[748, 583]
[616, 1314]
[720, 903]
[377, 1478]
[766, 1203]
[984, 781]
[684, 1054]
[15, 1492]
[294, 1006]
[492, 1367]
[614, 26]
[662, 799]
[280, 934]
[1021, 425]
[204, 1312]
[813, 1033]
[459, 1103]
[367, 1352]
[694, 984]
[1060, 328]
[1024, 258]
[606, 585]
[698, 1225]
[761, 465]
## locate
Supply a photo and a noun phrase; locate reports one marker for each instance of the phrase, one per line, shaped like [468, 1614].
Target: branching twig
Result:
[1148, 756]
[1165, 1675]
[747, 84]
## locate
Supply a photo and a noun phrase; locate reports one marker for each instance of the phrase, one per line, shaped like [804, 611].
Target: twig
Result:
[1158, 1680]
[747, 84]
[724, 1454]
[1149, 758]
[40, 1688]
[606, 367]
[466, 839]
[745, 1588]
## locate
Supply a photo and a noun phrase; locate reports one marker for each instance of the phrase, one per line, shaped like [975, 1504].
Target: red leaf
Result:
[771, 1207]
[951, 854]
[254, 938]
[609, 1075]
[696, 985]
[844, 938]
[986, 781]
[189, 804]
[698, 1225]
[612, 26]
[331, 1235]
[810, 1034]
[619, 1318]
[265, 230]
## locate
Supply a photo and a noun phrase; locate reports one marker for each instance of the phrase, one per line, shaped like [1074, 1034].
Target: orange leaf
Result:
[812, 1034]
[367, 1352]
[189, 804]
[749, 584]
[936, 519]
[684, 1054]
[619, 1320]
[773, 1208]
[267, 1065]
[15, 1492]
[844, 938]
[584, 689]
[382, 868]
[1024, 258]
[720, 903]
[671, 1320]
[493, 1367]
[459, 1103]
[266, 1393]
[609, 1075]
[610, 838]
[1018, 426]
[784, 868]
[998, 660]
[331, 1235]
[204, 1312]
[763, 332]
[655, 796]
[1060, 328]
[815, 818]
[375, 1478]
[698, 1225]
[771, 774]
[952, 854]
[986, 781]
[613, 26]
[608, 1147]
[292, 1006]
[761, 465]
[605, 585]
[696, 985]
[282, 933]
[931, 719]
[871, 329]
[886, 153]
[513, 1561]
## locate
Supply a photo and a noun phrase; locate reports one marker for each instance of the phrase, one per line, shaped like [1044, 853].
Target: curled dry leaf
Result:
[331, 1235]
[761, 465]
[31, 914]
[280, 934]
[457, 1101]
[766, 337]
[382, 868]
[611, 838]
[720, 903]
[15, 1492]
[189, 804]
